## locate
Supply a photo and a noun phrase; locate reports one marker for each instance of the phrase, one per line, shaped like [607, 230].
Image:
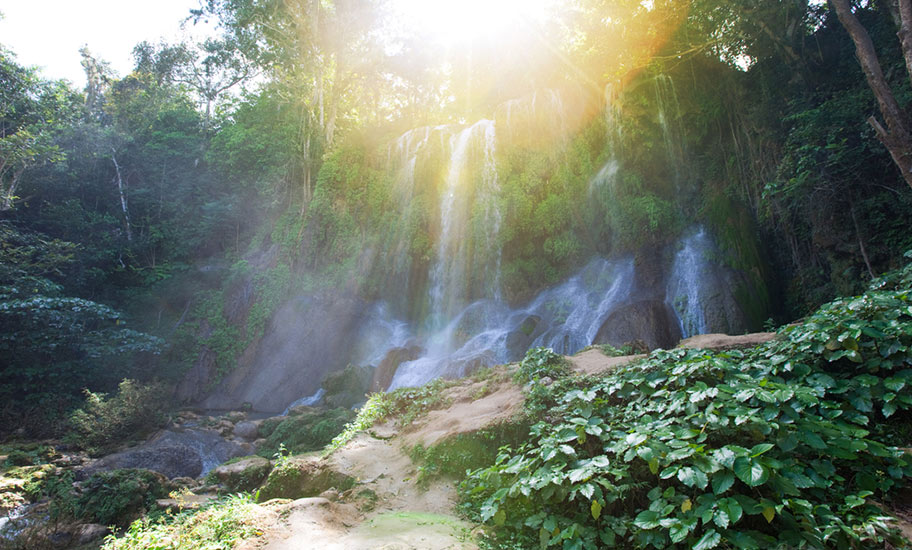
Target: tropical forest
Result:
[477, 275]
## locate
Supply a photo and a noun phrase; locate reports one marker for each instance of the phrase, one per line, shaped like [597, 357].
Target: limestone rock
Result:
[303, 477]
[724, 341]
[87, 532]
[244, 475]
[651, 321]
[386, 370]
[246, 430]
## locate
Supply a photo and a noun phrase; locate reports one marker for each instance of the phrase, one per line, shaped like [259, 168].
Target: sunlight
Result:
[451, 22]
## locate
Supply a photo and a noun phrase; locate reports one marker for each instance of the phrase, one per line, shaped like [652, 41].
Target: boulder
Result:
[520, 339]
[186, 453]
[246, 430]
[651, 321]
[303, 477]
[386, 370]
[347, 387]
[244, 475]
[87, 532]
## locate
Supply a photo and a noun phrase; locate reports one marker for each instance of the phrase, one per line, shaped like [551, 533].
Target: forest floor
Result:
[408, 511]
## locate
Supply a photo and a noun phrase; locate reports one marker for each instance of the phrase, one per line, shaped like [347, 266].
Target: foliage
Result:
[309, 431]
[218, 526]
[116, 497]
[103, 422]
[752, 449]
[404, 404]
[541, 362]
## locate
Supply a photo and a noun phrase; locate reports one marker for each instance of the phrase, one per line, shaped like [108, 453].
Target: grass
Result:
[218, 526]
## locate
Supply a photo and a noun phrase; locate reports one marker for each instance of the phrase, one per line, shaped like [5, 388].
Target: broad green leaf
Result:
[647, 519]
[769, 513]
[722, 481]
[710, 540]
[750, 472]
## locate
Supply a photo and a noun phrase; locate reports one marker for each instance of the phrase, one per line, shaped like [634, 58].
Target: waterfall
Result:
[448, 275]
[668, 111]
[686, 283]
[566, 318]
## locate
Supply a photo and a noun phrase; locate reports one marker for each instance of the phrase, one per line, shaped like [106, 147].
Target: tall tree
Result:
[897, 135]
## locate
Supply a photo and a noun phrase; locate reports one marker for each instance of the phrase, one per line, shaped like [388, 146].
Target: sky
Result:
[49, 33]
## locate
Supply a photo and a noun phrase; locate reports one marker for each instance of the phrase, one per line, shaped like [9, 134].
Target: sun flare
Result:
[451, 22]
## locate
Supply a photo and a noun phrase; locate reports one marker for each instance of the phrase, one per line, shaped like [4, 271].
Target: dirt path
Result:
[388, 509]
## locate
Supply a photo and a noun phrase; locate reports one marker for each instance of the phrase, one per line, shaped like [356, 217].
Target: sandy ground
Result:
[593, 361]
[404, 514]
[724, 341]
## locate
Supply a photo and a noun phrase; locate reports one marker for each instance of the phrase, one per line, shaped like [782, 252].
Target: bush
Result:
[105, 421]
[541, 362]
[773, 447]
[219, 526]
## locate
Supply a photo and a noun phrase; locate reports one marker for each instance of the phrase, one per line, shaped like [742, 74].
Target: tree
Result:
[897, 135]
[26, 111]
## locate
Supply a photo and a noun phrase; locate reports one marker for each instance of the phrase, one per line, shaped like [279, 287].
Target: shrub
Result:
[772, 447]
[219, 526]
[104, 421]
[541, 362]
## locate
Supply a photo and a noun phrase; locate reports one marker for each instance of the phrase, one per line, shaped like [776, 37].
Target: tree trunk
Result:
[896, 137]
[123, 196]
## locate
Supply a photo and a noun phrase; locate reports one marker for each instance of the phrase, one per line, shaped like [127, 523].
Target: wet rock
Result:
[347, 387]
[651, 321]
[246, 430]
[307, 334]
[87, 532]
[187, 453]
[520, 339]
[386, 370]
[244, 475]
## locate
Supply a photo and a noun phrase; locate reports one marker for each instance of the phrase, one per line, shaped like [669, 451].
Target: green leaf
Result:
[750, 472]
[692, 477]
[722, 481]
[728, 511]
[760, 449]
[647, 519]
[710, 540]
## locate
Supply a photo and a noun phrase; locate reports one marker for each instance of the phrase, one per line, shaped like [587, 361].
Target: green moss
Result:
[305, 432]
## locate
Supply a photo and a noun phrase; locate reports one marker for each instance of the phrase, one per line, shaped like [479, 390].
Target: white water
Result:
[309, 401]
[690, 281]
[448, 277]
[570, 315]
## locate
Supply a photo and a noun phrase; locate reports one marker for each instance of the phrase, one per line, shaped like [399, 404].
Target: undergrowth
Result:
[404, 404]
[218, 526]
[793, 444]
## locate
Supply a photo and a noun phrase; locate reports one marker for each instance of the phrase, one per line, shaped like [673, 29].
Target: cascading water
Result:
[701, 288]
[688, 282]
[448, 274]
[668, 111]
[566, 318]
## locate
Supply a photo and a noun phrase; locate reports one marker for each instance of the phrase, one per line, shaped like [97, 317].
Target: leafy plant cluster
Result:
[785, 445]
[219, 526]
[104, 421]
[405, 404]
[541, 362]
